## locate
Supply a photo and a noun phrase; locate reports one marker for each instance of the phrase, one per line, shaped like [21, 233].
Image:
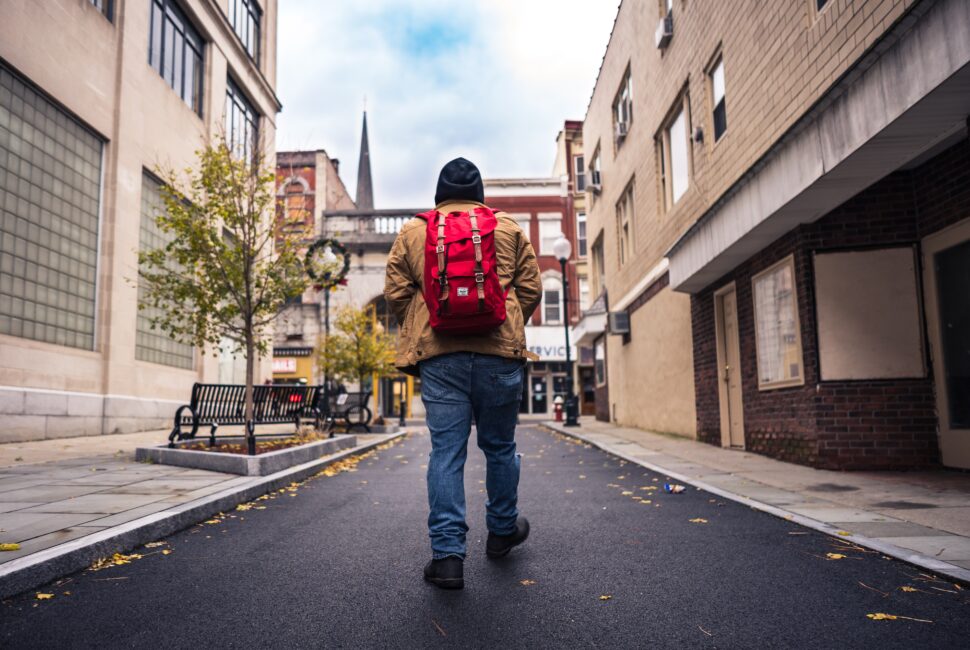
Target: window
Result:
[175, 51]
[581, 234]
[674, 152]
[245, 17]
[624, 225]
[550, 227]
[154, 345]
[623, 107]
[104, 6]
[599, 361]
[594, 170]
[779, 347]
[551, 301]
[295, 202]
[820, 4]
[242, 122]
[583, 282]
[580, 173]
[717, 95]
[50, 194]
[599, 265]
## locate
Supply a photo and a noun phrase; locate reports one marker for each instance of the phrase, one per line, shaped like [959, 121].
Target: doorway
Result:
[729, 367]
[946, 262]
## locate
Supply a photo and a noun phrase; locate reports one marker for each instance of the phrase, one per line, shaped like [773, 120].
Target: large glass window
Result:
[245, 16]
[50, 193]
[175, 51]
[779, 345]
[677, 137]
[599, 361]
[623, 102]
[155, 345]
[583, 292]
[242, 122]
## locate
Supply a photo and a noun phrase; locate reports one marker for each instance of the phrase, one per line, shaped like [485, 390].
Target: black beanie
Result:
[459, 180]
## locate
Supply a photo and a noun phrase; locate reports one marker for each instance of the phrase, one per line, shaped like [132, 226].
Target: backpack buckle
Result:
[479, 278]
[476, 239]
[440, 249]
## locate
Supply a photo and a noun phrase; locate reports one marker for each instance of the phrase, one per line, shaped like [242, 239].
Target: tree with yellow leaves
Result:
[358, 348]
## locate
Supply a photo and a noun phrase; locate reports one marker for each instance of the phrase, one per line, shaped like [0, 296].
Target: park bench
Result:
[216, 405]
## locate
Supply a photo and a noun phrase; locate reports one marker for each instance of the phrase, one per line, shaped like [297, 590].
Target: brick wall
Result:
[837, 424]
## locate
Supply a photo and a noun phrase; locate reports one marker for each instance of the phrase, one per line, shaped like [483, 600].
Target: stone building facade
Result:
[93, 97]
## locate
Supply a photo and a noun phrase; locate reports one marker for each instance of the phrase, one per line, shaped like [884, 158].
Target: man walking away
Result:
[462, 281]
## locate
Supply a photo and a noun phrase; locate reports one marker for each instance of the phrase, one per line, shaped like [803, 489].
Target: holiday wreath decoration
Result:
[327, 273]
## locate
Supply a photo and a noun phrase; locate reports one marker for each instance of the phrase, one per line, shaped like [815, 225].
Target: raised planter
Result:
[259, 465]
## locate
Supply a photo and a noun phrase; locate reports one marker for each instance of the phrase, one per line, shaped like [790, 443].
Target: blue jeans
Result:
[454, 388]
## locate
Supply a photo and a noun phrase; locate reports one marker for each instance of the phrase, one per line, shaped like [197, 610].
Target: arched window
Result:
[551, 301]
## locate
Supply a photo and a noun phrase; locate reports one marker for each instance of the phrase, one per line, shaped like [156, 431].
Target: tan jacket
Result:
[517, 270]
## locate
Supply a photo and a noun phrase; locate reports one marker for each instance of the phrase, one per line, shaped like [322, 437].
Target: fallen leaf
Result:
[213, 521]
[9, 547]
[835, 556]
[41, 596]
[843, 533]
[569, 491]
[647, 501]
[166, 552]
[606, 597]
[626, 493]
[526, 583]
[155, 544]
[582, 476]
[698, 520]
[909, 589]
[879, 616]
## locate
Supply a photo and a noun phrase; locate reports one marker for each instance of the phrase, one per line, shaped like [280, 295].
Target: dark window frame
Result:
[177, 35]
[106, 7]
[246, 17]
[719, 110]
[245, 108]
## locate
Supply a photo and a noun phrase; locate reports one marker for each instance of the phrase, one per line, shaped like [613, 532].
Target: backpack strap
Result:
[479, 271]
[442, 264]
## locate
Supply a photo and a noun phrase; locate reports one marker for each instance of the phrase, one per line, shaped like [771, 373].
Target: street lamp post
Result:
[563, 249]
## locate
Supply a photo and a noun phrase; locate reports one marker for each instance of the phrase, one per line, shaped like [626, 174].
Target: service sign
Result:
[548, 342]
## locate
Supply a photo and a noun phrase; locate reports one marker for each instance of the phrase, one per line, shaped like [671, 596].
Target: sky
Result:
[490, 80]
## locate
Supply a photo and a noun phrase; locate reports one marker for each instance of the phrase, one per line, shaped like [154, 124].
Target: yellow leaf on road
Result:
[9, 547]
[879, 616]
[626, 493]
[166, 552]
[909, 589]
[843, 533]
[41, 596]
[606, 597]
[698, 520]
[835, 556]
[526, 583]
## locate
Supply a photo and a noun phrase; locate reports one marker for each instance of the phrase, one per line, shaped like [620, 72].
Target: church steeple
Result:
[365, 188]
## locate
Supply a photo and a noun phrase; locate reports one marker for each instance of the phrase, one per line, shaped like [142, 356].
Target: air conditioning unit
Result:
[621, 130]
[619, 322]
[665, 30]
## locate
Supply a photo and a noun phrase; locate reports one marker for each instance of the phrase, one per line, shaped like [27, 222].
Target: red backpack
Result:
[461, 285]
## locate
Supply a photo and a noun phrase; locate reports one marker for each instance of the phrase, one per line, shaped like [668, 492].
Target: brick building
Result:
[307, 184]
[93, 96]
[807, 183]
[543, 208]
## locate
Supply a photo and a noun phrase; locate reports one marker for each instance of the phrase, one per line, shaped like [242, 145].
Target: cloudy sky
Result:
[491, 80]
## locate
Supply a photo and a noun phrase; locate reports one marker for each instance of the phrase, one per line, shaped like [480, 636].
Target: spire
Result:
[365, 188]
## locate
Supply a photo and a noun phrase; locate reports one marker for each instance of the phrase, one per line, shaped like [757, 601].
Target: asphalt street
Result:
[612, 562]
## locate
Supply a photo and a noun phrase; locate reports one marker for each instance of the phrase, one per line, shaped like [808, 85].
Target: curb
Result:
[28, 572]
[905, 555]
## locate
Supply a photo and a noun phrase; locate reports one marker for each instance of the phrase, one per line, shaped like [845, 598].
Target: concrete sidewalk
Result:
[920, 517]
[87, 497]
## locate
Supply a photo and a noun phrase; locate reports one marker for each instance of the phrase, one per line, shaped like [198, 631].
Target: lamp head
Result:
[562, 248]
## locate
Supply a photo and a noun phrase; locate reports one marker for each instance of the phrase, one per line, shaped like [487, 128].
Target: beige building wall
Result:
[778, 60]
[98, 69]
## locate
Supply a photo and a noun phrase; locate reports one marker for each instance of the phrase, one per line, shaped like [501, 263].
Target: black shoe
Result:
[499, 545]
[445, 573]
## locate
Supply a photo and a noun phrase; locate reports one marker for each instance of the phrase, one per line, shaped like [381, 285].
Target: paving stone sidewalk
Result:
[921, 517]
[79, 486]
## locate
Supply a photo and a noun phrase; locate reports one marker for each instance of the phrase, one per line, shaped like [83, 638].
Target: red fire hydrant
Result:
[557, 408]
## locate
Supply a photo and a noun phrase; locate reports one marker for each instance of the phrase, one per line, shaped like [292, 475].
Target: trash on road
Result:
[673, 488]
